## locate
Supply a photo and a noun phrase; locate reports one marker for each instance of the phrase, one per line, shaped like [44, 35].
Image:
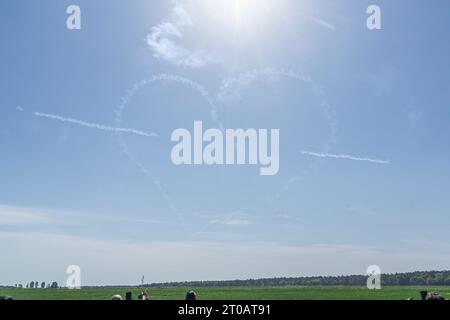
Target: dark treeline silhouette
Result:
[35, 285]
[418, 278]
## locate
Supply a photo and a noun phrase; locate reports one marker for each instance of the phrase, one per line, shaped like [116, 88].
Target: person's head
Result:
[434, 296]
[191, 295]
[6, 298]
[143, 296]
[116, 297]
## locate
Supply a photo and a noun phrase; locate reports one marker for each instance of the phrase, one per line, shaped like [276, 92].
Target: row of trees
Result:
[418, 278]
[36, 285]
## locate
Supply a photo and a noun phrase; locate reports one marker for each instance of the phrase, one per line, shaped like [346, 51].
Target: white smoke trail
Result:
[323, 23]
[121, 108]
[232, 87]
[343, 156]
[94, 125]
[170, 78]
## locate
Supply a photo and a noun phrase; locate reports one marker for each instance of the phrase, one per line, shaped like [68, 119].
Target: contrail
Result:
[323, 23]
[343, 156]
[94, 125]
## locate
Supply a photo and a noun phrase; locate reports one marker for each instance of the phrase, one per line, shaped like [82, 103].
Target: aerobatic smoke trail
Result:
[121, 108]
[231, 88]
[95, 125]
[323, 23]
[343, 156]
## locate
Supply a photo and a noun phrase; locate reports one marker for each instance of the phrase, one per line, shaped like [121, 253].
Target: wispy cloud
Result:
[228, 237]
[238, 222]
[128, 260]
[18, 216]
[228, 219]
[164, 37]
[232, 222]
[323, 23]
[40, 218]
[94, 125]
[343, 156]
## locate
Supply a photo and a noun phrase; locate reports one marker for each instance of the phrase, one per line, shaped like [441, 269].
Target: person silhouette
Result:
[191, 295]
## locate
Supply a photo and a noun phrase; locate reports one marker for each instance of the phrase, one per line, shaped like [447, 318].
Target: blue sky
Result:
[69, 194]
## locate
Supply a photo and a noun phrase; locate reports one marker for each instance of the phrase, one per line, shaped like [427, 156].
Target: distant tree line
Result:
[418, 278]
[37, 285]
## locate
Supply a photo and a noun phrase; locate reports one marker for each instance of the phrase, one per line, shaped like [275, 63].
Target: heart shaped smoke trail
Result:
[123, 145]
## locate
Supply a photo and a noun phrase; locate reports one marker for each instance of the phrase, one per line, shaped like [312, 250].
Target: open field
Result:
[232, 293]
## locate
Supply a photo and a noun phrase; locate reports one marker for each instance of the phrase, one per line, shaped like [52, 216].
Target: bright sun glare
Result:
[242, 13]
[240, 23]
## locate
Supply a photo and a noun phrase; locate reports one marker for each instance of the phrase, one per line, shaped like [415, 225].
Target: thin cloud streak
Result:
[95, 125]
[40, 218]
[343, 156]
[323, 23]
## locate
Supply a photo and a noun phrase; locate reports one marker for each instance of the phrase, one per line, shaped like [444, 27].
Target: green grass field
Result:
[231, 293]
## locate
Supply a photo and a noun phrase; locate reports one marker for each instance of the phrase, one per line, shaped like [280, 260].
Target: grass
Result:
[231, 293]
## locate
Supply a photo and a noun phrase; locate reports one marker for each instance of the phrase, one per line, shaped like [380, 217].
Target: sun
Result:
[240, 13]
[236, 25]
